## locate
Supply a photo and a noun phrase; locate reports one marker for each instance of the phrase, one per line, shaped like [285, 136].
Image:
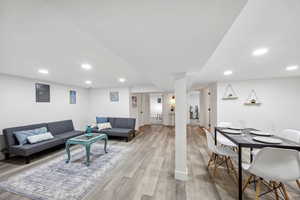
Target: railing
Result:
[156, 117]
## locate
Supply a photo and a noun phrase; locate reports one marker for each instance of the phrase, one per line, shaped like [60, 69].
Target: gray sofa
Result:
[61, 130]
[121, 127]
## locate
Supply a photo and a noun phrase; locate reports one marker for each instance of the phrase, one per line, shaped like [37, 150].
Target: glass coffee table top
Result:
[86, 137]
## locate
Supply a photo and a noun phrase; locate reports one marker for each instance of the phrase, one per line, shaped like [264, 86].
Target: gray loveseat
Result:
[61, 130]
[121, 127]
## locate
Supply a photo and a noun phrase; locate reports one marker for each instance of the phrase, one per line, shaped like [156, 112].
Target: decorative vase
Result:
[89, 131]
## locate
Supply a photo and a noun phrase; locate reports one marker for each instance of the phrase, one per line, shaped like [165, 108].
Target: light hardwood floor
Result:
[147, 171]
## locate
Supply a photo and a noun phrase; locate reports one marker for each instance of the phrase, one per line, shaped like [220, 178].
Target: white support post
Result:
[181, 172]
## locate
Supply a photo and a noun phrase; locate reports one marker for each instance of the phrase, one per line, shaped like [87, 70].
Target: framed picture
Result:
[42, 93]
[72, 97]
[134, 101]
[158, 100]
[114, 96]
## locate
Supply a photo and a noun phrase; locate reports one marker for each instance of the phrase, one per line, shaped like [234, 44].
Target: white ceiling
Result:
[262, 23]
[144, 41]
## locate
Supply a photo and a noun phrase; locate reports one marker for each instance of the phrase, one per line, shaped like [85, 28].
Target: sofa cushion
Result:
[101, 120]
[68, 135]
[28, 149]
[23, 135]
[124, 123]
[9, 132]
[112, 120]
[123, 132]
[59, 127]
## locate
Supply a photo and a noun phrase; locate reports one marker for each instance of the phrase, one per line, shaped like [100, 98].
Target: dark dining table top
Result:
[246, 140]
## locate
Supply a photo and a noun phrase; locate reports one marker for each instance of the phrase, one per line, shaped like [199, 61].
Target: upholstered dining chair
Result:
[221, 139]
[288, 134]
[220, 155]
[275, 165]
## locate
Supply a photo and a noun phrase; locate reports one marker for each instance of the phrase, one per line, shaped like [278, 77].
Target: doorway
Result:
[156, 108]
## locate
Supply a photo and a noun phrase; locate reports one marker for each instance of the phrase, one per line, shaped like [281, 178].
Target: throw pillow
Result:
[40, 130]
[108, 125]
[23, 135]
[39, 138]
[101, 120]
[102, 126]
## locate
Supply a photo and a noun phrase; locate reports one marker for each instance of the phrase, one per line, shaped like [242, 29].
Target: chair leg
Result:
[27, 159]
[210, 160]
[6, 156]
[216, 164]
[286, 196]
[257, 189]
[233, 169]
[227, 165]
[275, 190]
[247, 182]
[298, 183]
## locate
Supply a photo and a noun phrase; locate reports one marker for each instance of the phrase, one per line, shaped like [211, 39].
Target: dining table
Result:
[245, 140]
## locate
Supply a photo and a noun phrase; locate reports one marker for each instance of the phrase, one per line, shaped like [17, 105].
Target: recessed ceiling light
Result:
[292, 68]
[228, 72]
[88, 82]
[122, 80]
[260, 51]
[86, 66]
[43, 71]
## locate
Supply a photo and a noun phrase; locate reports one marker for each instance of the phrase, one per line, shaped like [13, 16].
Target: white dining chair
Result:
[221, 139]
[275, 165]
[220, 155]
[288, 134]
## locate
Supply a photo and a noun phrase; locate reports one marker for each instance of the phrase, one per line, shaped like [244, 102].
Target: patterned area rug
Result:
[56, 180]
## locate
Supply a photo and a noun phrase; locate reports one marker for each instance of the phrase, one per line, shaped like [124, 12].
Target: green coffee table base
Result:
[86, 141]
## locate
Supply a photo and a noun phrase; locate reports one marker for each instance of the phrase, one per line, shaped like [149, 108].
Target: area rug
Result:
[56, 180]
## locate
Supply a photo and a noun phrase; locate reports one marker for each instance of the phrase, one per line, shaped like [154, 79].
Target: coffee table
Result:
[86, 141]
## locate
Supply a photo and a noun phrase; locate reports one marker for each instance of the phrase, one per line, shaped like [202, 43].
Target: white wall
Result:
[280, 100]
[100, 105]
[168, 115]
[213, 104]
[18, 106]
[204, 105]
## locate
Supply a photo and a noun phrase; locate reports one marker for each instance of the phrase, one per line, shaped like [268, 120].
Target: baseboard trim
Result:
[181, 175]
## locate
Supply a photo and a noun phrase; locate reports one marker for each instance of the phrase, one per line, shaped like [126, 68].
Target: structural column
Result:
[181, 172]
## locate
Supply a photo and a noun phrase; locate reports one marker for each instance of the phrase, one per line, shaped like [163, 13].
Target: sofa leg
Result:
[6, 155]
[27, 159]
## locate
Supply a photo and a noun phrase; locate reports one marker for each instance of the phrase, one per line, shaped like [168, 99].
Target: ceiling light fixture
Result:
[86, 66]
[122, 80]
[43, 71]
[88, 82]
[228, 72]
[292, 68]
[260, 51]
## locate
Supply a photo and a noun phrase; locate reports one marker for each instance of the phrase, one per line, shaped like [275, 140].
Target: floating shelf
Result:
[252, 99]
[229, 93]
[229, 98]
[250, 104]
